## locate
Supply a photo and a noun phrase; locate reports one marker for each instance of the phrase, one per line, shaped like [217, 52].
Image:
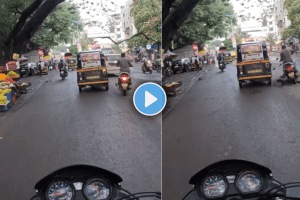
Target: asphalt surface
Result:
[216, 120]
[54, 126]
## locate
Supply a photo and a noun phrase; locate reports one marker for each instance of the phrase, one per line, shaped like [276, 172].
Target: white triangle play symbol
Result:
[149, 99]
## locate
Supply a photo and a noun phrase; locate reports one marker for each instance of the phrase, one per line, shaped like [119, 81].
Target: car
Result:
[187, 65]
[111, 62]
[28, 69]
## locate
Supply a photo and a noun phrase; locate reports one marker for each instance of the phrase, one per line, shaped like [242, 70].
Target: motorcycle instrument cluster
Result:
[93, 189]
[216, 186]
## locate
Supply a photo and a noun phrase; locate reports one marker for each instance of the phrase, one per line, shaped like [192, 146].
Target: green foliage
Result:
[116, 48]
[58, 27]
[206, 22]
[293, 8]
[228, 44]
[147, 20]
[73, 49]
[271, 40]
[10, 12]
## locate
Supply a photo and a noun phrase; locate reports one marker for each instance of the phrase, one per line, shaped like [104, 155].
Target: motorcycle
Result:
[124, 82]
[146, 66]
[63, 74]
[239, 179]
[156, 65]
[84, 182]
[222, 66]
[289, 72]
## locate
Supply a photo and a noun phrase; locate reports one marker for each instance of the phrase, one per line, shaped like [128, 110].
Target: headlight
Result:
[249, 182]
[214, 186]
[267, 65]
[97, 189]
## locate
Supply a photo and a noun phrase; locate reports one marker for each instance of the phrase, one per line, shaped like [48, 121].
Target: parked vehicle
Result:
[239, 179]
[146, 65]
[111, 63]
[28, 69]
[253, 63]
[157, 65]
[84, 182]
[187, 65]
[91, 69]
[177, 66]
[124, 82]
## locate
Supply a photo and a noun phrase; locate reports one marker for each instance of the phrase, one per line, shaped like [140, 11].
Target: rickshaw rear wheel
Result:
[240, 84]
[80, 89]
[106, 87]
[270, 81]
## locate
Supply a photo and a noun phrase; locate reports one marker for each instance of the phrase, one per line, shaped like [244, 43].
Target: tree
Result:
[293, 8]
[205, 22]
[58, 27]
[147, 21]
[16, 36]
[175, 13]
[271, 40]
[228, 44]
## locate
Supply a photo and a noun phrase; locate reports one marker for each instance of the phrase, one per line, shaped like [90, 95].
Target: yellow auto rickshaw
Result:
[91, 69]
[227, 56]
[253, 63]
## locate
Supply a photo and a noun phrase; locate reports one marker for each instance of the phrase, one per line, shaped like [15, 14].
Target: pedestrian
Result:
[40, 68]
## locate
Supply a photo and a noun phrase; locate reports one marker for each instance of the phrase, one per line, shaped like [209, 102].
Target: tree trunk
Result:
[173, 20]
[28, 24]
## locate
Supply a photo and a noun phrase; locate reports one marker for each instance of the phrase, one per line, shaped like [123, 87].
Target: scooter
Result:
[124, 82]
[239, 179]
[146, 66]
[222, 66]
[63, 74]
[84, 182]
[289, 72]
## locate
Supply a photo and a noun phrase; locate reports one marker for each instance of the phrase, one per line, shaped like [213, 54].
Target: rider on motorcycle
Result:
[286, 56]
[62, 66]
[221, 59]
[124, 64]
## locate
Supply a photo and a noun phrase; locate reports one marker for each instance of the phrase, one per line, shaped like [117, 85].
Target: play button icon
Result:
[149, 99]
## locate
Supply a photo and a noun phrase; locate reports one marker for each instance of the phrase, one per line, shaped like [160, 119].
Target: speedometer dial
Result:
[214, 186]
[97, 189]
[249, 182]
[60, 190]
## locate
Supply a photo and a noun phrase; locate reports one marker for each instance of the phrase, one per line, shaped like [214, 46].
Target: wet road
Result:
[57, 126]
[216, 120]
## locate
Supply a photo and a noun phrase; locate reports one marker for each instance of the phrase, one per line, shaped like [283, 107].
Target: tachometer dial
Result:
[249, 182]
[214, 186]
[97, 189]
[60, 190]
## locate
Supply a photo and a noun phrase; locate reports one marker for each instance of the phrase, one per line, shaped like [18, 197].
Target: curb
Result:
[181, 94]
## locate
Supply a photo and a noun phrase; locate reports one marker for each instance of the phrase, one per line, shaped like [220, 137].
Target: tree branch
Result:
[135, 35]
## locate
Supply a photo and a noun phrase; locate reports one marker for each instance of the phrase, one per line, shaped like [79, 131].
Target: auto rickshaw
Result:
[233, 55]
[253, 63]
[227, 56]
[72, 63]
[91, 69]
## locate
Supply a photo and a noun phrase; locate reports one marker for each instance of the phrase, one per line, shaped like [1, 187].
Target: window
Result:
[118, 35]
[118, 29]
[271, 29]
[270, 23]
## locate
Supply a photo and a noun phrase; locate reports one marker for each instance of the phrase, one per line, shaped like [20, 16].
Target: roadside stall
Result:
[10, 90]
